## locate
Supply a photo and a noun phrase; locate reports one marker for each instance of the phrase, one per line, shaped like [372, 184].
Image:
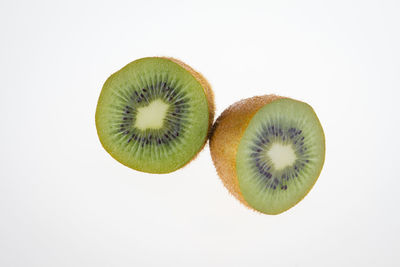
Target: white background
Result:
[65, 202]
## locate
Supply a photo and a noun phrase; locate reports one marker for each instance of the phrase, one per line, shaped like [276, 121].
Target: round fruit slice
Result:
[268, 151]
[154, 114]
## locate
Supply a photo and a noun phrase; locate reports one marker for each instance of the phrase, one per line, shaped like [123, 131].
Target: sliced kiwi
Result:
[154, 115]
[268, 151]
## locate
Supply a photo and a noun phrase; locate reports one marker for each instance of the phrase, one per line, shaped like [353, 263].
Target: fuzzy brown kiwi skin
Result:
[227, 131]
[226, 134]
[210, 102]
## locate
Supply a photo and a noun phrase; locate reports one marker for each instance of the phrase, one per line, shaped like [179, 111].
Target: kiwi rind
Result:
[226, 135]
[210, 107]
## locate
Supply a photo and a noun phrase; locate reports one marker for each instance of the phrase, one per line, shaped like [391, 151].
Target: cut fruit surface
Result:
[276, 155]
[154, 114]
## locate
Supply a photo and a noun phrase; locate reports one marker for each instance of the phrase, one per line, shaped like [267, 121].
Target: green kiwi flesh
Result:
[153, 115]
[280, 155]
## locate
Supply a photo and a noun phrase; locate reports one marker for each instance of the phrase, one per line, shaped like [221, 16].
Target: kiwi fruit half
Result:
[154, 115]
[269, 151]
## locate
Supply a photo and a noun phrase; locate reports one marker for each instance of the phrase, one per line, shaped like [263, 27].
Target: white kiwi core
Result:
[151, 116]
[281, 155]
